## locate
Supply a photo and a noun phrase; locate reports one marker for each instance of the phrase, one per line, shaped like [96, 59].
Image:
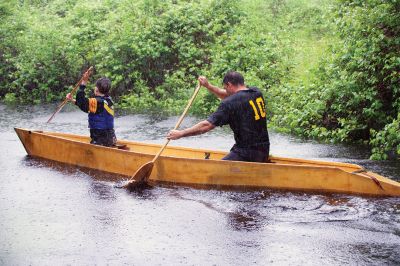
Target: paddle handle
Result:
[196, 91]
[65, 100]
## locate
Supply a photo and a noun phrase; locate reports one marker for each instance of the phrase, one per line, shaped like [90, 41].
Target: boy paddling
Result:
[100, 111]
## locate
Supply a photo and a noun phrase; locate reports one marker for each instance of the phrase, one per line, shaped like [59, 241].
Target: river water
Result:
[55, 214]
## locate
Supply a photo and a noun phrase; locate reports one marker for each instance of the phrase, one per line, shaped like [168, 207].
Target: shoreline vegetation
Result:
[329, 70]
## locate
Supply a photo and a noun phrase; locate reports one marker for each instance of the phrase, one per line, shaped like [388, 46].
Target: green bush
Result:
[329, 69]
[355, 90]
[10, 98]
[386, 141]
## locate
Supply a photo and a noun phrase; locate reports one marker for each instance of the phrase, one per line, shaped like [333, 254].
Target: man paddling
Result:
[243, 109]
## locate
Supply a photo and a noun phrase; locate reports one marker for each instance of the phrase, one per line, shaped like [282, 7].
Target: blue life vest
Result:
[104, 119]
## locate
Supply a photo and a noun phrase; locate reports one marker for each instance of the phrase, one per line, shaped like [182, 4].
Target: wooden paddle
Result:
[141, 176]
[59, 107]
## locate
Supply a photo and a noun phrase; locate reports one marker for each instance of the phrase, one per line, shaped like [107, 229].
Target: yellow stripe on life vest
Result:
[108, 108]
[92, 105]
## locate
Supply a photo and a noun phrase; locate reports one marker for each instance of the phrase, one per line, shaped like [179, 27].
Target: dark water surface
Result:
[53, 214]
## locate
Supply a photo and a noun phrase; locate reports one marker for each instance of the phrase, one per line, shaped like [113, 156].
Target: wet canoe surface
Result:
[199, 167]
[61, 214]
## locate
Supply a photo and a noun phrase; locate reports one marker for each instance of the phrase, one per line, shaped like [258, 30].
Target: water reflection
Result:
[102, 191]
[248, 220]
[252, 211]
[389, 253]
[70, 170]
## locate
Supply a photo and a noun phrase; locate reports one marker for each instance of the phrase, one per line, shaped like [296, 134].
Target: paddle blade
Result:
[139, 179]
[143, 173]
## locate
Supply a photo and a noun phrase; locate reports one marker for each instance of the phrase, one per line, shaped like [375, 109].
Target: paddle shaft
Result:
[196, 91]
[65, 100]
[143, 173]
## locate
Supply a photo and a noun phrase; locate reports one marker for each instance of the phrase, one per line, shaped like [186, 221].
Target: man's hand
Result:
[203, 81]
[220, 93]
[175, 134]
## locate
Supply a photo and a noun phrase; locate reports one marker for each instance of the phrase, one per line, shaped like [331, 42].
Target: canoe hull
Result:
[187, 166]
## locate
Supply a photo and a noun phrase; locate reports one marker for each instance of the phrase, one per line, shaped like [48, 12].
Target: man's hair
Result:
[235, 78]
[104, 85]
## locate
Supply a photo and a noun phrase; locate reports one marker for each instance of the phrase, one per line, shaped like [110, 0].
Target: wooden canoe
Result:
[179, 165]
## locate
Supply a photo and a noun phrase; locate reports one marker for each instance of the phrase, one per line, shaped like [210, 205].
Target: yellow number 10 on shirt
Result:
[261, 108]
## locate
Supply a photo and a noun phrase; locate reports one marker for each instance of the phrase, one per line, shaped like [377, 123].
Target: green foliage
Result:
[386, 141]
[329, 69]
[7, 49]
[152, 48]
[355, 90]
[10, 98]
[176, 40]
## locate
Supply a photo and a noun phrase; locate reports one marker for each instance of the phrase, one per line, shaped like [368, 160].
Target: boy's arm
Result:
[81, 101]
[88, 105]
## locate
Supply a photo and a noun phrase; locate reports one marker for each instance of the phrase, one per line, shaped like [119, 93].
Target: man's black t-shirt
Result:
[244, 111]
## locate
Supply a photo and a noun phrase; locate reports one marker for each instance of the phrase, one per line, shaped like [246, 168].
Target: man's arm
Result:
[220, 93]
[199, 128]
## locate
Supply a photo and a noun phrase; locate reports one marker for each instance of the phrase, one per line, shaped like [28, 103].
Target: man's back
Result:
[244, 111]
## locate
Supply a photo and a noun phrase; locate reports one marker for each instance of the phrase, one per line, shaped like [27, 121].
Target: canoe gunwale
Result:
[296, 161]
[324, 165]
[67, 137]
[319, 176]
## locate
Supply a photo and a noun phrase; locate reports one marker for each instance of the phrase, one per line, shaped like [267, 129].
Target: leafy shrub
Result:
[10, 98]
[153, 51]
[386, 141]
[355, 90]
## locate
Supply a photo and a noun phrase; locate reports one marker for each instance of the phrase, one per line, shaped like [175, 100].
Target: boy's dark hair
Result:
[104, 85]
[235, 78]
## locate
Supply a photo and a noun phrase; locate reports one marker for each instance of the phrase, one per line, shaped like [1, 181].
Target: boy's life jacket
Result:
[104, 119]
[99, 108]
